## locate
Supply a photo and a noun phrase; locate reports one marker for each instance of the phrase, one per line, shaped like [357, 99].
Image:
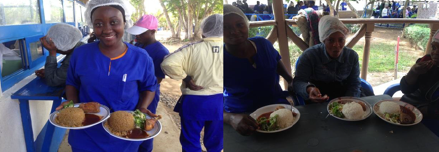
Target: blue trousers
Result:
[147, 145]
[190, 135]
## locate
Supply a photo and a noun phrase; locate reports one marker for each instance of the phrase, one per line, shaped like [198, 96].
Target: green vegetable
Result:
[336, 109]
[70, 104]
[139, 119]
[268, 124]
[392, 117]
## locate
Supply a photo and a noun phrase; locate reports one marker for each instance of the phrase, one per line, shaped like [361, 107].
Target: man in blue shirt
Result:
[257, 8]
[145, 29]
[343, 6]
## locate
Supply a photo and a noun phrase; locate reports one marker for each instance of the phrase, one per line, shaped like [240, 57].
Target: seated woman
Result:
[328, 68]
[251, 72]
[420, 85]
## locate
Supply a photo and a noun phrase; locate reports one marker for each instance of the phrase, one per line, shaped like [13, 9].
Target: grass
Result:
[381, 57]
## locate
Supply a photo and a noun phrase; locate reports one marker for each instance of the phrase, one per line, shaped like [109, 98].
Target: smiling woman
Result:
[111, 72]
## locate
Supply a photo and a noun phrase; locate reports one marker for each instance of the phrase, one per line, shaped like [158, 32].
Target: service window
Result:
[11, 56]
[35, 51]
[29, 12]
[53, 11]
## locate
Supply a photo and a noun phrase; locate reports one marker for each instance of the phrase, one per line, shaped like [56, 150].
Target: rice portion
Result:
[285, 117]
[120, 123]
[70, 117]
[353, 111]
[389, 107]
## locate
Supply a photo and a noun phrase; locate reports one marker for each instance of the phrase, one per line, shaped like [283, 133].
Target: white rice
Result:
[389, 107]
[285, 117]
[353, 111]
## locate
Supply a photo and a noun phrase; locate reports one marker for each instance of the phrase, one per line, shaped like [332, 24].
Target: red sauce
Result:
[91, 119]
[137, 133]
[266, 115]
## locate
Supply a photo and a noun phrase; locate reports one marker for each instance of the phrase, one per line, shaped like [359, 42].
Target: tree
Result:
[168, 20]
[140, 9]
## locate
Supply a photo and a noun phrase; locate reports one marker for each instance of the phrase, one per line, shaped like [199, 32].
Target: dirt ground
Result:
[390, 36]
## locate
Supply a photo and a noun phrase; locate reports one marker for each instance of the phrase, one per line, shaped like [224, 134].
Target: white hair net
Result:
[93, 4]
[435, 37]
[64, 36]
[230, 9]
[329, 25]
[212, 26]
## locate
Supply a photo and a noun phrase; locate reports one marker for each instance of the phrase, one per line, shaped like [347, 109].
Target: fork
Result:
[291, 101]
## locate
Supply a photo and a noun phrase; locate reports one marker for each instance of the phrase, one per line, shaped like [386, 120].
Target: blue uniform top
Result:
[343, 4]
[114, 82]
[157, 52]
[248, 88]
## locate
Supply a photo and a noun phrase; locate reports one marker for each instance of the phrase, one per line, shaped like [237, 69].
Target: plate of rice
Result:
[397, 112]
[275, 118]
[132, 125]
[349, 109]
[75, 117]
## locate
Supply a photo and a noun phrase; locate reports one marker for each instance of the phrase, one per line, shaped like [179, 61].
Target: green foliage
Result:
[418, 34]
[353, 27]
[382, 57]
[262, 31]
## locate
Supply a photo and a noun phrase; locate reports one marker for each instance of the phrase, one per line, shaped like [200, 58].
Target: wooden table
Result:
[316, 132]
[50, 136]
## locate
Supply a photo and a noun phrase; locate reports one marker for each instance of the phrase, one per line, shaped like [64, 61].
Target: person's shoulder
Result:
[81, 48]
[137, 51]
[259, 40]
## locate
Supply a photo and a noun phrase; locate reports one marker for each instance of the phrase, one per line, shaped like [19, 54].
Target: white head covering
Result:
[329, 25]
[435, 37]
[212, 26]
[64, 36]
[230, 9]
[92, 4]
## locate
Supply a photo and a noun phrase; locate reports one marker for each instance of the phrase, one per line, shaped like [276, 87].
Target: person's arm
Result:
[409, 82]
[353, 80]
[303, 73]
[173, 64]
[147, 87]
[282, 71]
[145, 100]
[55, 76]
[242, 123]
[72, 83]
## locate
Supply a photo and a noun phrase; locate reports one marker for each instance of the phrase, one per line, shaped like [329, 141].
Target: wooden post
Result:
[282, 35]
[433, 29]
[368, 35]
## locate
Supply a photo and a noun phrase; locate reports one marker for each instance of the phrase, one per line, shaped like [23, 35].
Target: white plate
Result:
[270, 108]
[104, 112]
[418, 114]
[366, 114]
[152, 133]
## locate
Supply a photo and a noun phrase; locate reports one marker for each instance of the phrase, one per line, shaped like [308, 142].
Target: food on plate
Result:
[70, 117]
[130, 125]
[396, 113]
[389, 107]
[150, 123]
[90, 107]
[275, 120]
[353, 111]
[285, 117]
[70, 104]
[348, 109]
[120, 123]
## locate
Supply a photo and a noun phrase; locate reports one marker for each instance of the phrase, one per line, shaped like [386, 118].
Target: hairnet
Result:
[93, 4]
[230, 9]
[64, 36]
[212, 26]
[435, 37]
[329, 25]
